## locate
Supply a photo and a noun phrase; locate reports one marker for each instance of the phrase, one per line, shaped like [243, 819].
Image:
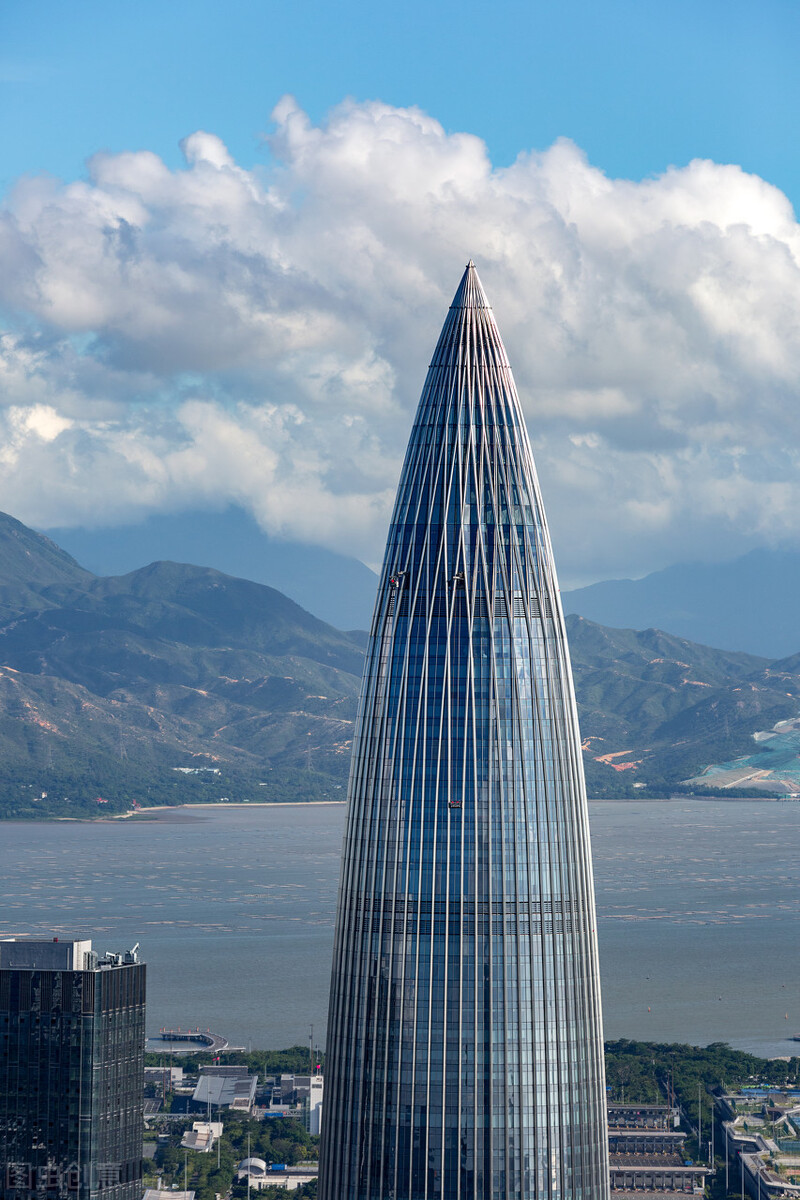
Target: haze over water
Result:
[698, 914]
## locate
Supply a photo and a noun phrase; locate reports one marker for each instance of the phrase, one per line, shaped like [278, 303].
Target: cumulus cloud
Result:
[190, 337]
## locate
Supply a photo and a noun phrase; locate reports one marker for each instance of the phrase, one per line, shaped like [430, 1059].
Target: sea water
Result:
[233, 907]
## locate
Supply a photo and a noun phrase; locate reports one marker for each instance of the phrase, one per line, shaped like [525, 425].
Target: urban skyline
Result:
[228, 234]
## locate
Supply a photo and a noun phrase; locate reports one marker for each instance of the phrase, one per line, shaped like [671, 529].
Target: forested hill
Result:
[169, 684]
[656, 709]
[177, 683]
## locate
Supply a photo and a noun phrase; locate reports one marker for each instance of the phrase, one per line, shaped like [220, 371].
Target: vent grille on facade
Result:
[535, 608]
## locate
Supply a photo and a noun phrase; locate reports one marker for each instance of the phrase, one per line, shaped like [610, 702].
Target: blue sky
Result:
[212, 294]
[639, 84]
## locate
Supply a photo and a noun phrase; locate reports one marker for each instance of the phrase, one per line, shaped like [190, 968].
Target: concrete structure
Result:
[653, 1173]
[225, 1087]
[316, 1094]
[643, 1116]
[202, 1136]
[191, 1041]
[465, 1055]
[261, 1175]
[164, 1194]
[71, 1069]
[166, 1077]
[288, 1090]
[646, 1153]
[761, 1131]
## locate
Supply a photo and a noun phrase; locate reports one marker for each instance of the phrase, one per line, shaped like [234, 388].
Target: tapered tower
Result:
[465, 1055]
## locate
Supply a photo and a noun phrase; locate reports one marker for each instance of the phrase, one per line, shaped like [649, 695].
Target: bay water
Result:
[233, 907]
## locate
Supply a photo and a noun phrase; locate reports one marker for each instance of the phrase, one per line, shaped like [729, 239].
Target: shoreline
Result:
[156, 811]
[144, 813]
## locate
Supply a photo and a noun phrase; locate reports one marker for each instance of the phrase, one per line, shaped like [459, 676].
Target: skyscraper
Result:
[465, 1057]
[71, 1072]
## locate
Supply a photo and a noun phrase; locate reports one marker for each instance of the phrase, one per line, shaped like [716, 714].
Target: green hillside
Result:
[178, 683]
[656, 709]
[174, 683]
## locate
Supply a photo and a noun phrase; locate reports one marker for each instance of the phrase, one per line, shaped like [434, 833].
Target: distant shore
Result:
[177, 808]
[166, 812]
[161, 811]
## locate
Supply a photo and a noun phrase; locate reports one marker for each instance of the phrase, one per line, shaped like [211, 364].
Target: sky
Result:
[229, 234]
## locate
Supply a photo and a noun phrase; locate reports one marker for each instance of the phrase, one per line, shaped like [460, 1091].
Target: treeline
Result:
[640, 1070]
[107, 790]
[292, 1061]
[636, 1072]
[644, 1071]
[276, 1140]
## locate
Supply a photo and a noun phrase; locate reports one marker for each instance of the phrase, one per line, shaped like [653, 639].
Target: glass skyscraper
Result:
[71, 1072]
[465, 1056]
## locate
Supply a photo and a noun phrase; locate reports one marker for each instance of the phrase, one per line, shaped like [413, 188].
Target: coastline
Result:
[144, 813]
[155, 812]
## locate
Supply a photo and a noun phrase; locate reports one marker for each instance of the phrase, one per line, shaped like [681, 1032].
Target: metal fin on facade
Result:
[465, 1057]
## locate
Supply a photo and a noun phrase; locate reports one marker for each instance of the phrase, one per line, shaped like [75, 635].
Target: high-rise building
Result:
[71, 1072]
[465, 1057]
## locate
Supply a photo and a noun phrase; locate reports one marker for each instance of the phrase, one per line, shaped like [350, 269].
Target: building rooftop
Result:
[163, 1194]
[253, 1166]
[202, 1135]
[59, 954]
[50, 954]
[226, 1091]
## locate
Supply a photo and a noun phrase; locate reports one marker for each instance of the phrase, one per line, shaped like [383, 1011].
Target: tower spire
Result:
[470, 293]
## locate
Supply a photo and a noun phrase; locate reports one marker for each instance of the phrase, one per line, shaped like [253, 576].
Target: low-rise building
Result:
[284, 1092]
[202, 1136]
[225, 1087]
[169, 1077]
[646, 1153]
[761, 1128]
[260, 1174]
[164, 1194]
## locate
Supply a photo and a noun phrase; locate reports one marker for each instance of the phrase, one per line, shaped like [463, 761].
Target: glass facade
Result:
[71, 1076]
[465, 1057]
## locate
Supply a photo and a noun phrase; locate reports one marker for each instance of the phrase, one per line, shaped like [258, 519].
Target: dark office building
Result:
[465, 1054]
[71, 1069]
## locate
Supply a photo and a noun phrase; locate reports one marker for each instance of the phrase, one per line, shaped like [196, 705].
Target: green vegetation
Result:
[275, 1139]
[174, 684]
[108, 685]
[636, 1072]
[670, 707]
[643, 1068]
[644, 1072]
[106, 788]
[278, 1139]
[293, 1061]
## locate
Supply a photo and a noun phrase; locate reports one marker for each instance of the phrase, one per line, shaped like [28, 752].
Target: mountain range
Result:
[231, 541]
[744, 604]
[749, 603]
[175, 682]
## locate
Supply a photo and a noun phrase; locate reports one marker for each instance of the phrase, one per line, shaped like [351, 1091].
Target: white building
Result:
[315, 1092]
[259, 1175]
[202, 1136]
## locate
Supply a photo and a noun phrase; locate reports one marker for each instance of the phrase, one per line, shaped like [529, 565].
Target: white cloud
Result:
[186, 337]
